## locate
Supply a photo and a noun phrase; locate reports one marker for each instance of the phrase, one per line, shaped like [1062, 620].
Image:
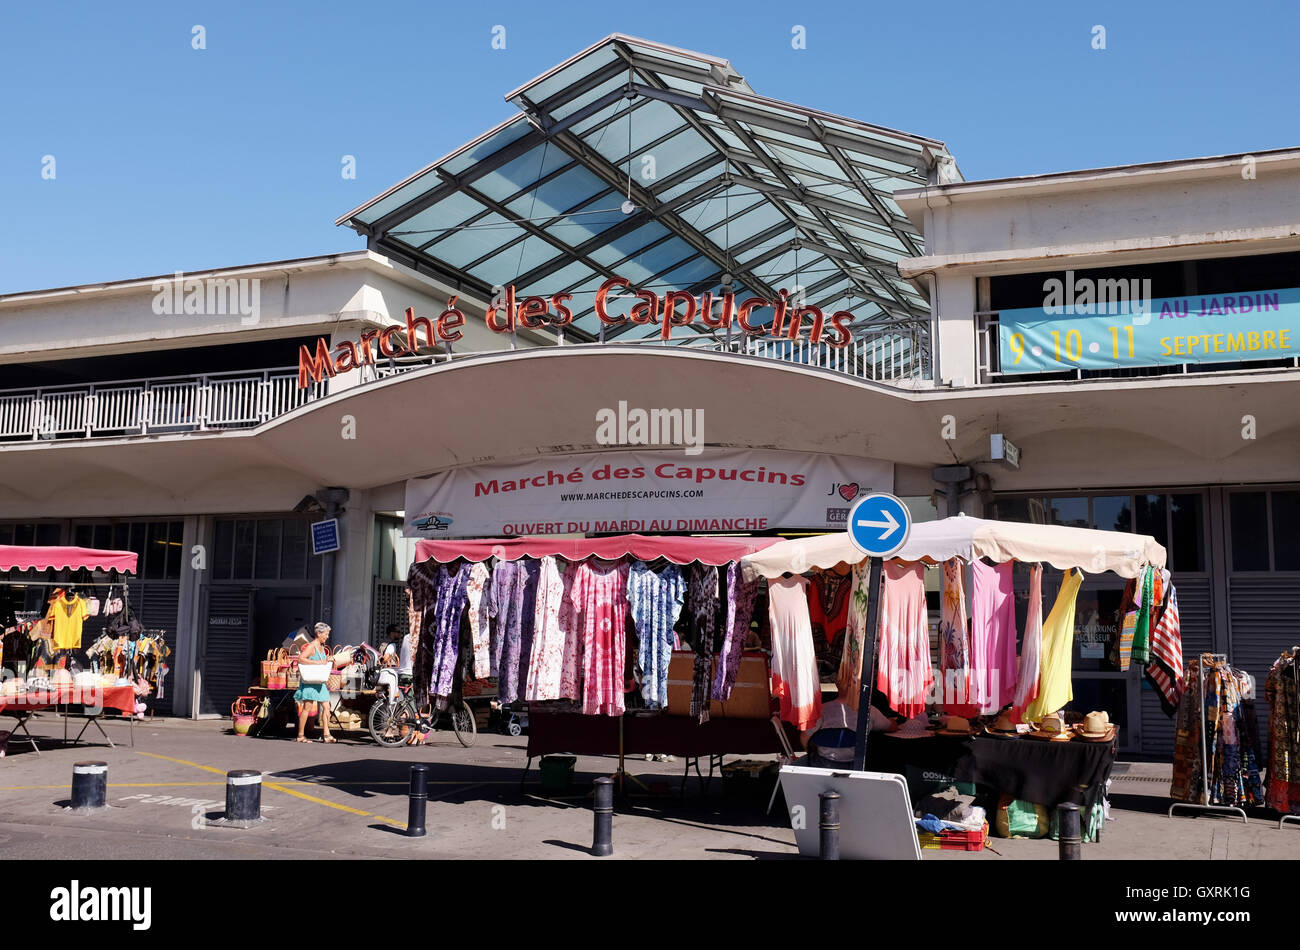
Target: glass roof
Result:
[721, 181]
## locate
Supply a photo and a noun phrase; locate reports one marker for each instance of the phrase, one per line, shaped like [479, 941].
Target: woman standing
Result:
[315, 697]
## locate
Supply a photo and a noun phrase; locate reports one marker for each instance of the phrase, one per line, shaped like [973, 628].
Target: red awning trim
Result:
[679, 550]
[17, 557]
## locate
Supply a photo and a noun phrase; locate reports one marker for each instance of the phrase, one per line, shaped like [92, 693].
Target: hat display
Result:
[1096, 727]
[1003, 727]
[1052, 727]
[915, 728]
[957, 726]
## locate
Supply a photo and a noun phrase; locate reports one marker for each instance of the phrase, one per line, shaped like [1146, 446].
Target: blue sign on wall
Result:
[1223, 328]
[325, 536]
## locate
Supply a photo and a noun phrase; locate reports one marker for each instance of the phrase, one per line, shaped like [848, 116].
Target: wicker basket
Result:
[275, 661]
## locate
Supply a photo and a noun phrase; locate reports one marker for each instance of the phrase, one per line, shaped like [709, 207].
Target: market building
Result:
[656, 301]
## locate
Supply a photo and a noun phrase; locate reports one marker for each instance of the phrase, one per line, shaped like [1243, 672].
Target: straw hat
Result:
[956, 726]
[1003, 728]
[1096, 726]
[1052, 723]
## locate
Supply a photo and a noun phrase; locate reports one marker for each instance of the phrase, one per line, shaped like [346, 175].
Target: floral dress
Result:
[741, 594]
[656, 602]
[849, 680]
[512, 606]
[550, 636]
[452, 597]
[599, 597]
[479, 624]
[954, 644]
[702, 601]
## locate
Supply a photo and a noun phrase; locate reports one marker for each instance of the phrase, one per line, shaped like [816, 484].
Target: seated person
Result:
[831, 739]
[397, 653]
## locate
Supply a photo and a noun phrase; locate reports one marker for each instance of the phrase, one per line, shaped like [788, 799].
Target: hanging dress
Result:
[954, 644]
[656, 602]
[849, 680]
[514, 593]
[447, 614]
[550, 636]
[1282, 691]
[1054, 689]
[993, 635]
[1031, 645]
[599, 596]
[702, 603]
[794, 661]
[479, 626]
[904, 674]
[740, 610]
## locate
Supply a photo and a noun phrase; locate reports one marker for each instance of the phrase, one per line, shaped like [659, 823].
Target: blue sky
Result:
[170, 158]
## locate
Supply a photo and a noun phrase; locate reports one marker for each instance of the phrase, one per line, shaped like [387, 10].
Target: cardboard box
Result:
[751, 696]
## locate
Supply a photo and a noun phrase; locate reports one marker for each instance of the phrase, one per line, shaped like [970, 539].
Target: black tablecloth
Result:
[1046, 773]
[671, 735]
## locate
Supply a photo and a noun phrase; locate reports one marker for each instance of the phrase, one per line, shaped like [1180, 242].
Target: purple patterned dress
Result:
[656, 602]
[740, 609]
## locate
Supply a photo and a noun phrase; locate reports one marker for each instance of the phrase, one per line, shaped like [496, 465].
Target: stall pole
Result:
[89, 786]
[1204, 804]
[603, 810]
[868, 671]
[419, 798]
[622, 775]
[830, 826]
[1068, 834]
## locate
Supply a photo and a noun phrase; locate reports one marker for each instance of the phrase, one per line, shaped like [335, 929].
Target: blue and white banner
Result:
[1224, 328]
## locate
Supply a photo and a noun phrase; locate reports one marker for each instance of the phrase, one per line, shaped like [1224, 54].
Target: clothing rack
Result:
[1204, 804]
[1295, 818]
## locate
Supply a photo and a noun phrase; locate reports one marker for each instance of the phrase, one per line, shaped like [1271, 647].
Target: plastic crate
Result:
[955, 840]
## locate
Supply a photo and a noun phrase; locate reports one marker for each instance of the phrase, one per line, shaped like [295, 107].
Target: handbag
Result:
[275, 660]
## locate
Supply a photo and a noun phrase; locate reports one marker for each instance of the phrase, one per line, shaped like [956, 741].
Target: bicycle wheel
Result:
[462, 721]
[391, 724]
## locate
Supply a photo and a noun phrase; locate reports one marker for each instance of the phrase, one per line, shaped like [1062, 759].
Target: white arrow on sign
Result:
[888, 526]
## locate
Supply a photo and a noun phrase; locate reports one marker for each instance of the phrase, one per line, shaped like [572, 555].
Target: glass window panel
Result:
[25, 534]
[83, 535]
[1072, 512]
[155, 561]
[560, 194]
[649, 122]
[628, 244]
[431, 223]
[1150, 511]
[564, 110]
[515, 260]
[599, 214]
[1112, 513]
[139, 545]
[523, 171]
[573, 73]
[223, 550]
[1011, 509]
[569, 276]
[672, 156]
[713, 171]
[6, 534]
[121, 537]
[693, 271]
[103, 536]
[719, 209]
[1096, 622]
[655, 260]
[599, 119]
[1286, 530]
[493, 143]
[747, 225]
[426, 182]
[175, 539]
[245, 542]
[1248, 511]
[294, 551]
[476, 240]
[266, 563]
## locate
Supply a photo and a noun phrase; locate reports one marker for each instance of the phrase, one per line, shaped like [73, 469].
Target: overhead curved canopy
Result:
[22, 557]
[1093, 552]
[680, 550]
[721, 182]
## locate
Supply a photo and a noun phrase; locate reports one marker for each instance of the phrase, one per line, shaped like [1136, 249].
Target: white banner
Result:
[644, 493]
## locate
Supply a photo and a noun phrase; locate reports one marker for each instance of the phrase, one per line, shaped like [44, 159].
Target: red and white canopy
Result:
[19, 557]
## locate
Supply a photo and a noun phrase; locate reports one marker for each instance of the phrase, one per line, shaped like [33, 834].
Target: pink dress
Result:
[993, 636]
[1031, 646]
[904, 674]
[794, 659]
[954, 644]
[599, 595]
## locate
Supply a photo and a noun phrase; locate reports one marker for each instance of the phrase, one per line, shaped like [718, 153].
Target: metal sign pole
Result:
[868, 668]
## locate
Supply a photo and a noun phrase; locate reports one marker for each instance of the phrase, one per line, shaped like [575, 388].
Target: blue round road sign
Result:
[879, 524]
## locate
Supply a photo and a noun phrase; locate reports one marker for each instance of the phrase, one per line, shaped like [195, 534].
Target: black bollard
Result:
[89, 786]
[419, 798]
[1067, 832]
[830, 826]
[603, 844]
[243, 798]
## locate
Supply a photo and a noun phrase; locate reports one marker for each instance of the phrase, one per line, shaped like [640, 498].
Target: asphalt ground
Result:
[349, 801]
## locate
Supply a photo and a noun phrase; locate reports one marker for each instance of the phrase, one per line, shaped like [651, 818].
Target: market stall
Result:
[43, 655]
[590, 635]
[997, 698]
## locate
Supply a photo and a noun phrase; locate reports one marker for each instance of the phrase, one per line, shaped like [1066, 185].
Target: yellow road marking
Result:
[168, 758]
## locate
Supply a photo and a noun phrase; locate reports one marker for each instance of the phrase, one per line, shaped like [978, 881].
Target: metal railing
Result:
[154, 406]
[139, 407]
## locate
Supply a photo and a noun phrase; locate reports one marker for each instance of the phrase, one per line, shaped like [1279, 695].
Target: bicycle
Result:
[393, 720]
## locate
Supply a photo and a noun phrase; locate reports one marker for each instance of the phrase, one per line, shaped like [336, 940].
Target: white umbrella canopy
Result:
[1093, 552]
